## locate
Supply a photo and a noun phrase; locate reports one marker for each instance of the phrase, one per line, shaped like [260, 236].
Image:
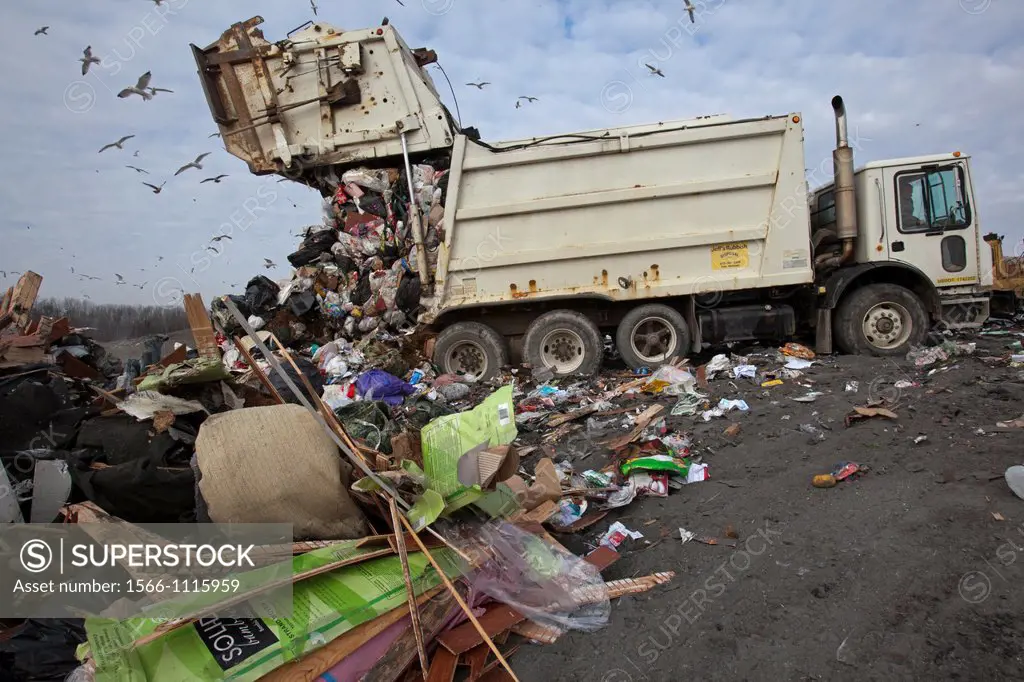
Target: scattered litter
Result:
[1017, 423]
[773, 382]
[852, 386]
[920, 439]
[808, 397]
[798, 363]
[616, 534]
[1015, 479]
[797, 350]
[998, 517]
[860, 413]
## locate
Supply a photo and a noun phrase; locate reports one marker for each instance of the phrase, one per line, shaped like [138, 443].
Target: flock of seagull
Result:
[146, 91]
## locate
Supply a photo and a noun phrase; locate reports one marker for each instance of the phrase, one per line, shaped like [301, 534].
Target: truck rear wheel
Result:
[650, 335]
[566, 341]
[470, 348]
[881, 319]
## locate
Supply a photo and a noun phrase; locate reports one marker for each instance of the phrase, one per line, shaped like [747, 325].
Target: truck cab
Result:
[919, 224]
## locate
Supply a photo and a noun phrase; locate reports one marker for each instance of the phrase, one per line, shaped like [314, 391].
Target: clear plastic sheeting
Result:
[544, 582]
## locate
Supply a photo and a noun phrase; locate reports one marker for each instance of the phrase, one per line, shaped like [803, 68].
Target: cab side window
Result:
[932, 200]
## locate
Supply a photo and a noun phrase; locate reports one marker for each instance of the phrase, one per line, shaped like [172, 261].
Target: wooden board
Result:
[434, 615]
[202, 328]
[442, 667]
[23, 298]
[498, 618]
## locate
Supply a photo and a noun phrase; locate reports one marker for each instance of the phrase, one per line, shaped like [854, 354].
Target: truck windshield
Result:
[932, 200]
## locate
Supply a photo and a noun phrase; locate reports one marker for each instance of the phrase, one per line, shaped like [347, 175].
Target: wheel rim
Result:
[562, 350]
[653, 339]
[887, 325]
[466, 357]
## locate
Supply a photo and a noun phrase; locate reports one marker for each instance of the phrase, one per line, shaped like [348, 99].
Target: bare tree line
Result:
[113, 322]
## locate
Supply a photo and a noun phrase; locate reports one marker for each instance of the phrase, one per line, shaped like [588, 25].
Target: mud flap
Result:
[823, 333]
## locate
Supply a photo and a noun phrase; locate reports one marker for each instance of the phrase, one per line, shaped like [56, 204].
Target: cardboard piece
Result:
[545, 488]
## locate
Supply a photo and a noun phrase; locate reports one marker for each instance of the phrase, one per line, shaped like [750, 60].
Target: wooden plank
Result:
[465, 637]
[74, 367]
[202, 329]
[264, 381]
[642, 421]
[23, 298]
[434, 615]
[177, 355]
[490, 670]
[410, 591]
[602, 557]
[442, 667]
[316, 663]
[58, 330]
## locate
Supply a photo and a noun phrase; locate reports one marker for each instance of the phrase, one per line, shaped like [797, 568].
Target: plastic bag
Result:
[376, 180]
[377, 384]
[370, 422]
[42, 649]
[545, 583]
[666, 376]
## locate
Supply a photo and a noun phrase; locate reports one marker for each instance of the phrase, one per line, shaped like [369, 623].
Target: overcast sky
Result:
[918, 76]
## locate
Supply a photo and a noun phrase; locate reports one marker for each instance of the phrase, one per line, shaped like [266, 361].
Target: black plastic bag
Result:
[361, 294]
[312, 246]
[261, 294]
[41, 650]
[308, 369]
[408, 297]
[301, 303]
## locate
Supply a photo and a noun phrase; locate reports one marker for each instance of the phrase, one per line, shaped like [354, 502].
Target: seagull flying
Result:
[479, 86]
[138, 170]
[195, 164]
[119, 144]
[42, 31]
[654, 71]
[220, 237]
[268, 264]
[140, 287]
[528, 98]
[215, 179]
[156, 190]
[120, 279]
[400, 3]
[312, 4]
[213, 135]
[689, 9]
[87, 59]
[158, 2]
[141, 88]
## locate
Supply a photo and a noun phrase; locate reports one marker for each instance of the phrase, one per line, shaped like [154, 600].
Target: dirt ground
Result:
[909, 571]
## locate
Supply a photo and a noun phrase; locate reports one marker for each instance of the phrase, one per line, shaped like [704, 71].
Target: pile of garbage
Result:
[355, 273]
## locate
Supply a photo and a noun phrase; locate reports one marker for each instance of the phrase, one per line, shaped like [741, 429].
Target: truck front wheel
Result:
[566, 341]
[881, 319]
[651, 335]
[470, 348]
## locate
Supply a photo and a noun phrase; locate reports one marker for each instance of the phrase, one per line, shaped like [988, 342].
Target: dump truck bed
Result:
[639, 212]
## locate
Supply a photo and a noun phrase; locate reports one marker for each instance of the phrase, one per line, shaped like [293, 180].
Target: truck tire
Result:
[882, 320]
[651, 335]
[470, 348]
[566, 341]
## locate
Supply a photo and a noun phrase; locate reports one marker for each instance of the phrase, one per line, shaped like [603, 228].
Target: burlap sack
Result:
[276, 464]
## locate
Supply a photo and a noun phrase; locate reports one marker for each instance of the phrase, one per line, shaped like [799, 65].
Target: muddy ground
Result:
[905, 572]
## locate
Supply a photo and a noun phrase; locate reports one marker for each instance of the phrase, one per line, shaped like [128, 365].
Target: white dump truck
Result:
[667, 236]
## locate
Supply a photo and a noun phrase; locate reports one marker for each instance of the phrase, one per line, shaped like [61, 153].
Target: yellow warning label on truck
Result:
[732, 256]
[956, 280]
